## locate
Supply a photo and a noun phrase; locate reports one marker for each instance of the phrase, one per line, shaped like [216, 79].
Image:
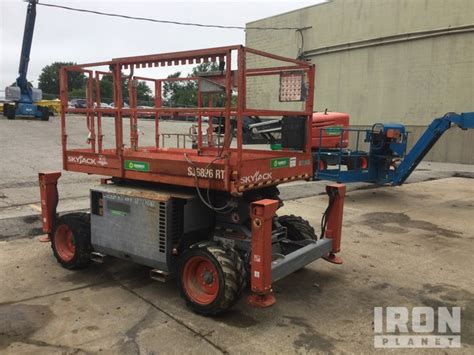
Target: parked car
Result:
[125, 105]
[146, 114]
[78, 103]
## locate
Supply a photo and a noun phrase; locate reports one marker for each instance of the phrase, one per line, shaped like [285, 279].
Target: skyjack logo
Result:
[255, 178]
[102, 160]
[82, 160]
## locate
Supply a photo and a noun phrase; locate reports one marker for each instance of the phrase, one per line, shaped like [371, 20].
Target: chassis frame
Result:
[236, 170]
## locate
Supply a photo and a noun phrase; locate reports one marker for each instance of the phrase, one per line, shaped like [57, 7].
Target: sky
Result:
[62, 35]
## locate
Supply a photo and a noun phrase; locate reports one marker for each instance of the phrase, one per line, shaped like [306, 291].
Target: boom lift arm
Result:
[434, 131]
[21, 81]
[22, 95]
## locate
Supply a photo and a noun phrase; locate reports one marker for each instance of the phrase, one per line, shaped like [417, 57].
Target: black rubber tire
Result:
[324, 166]
[270, 192]
[79, 224]
[231, 274]
[361, 160]
[297, 228]
[44, 113]
[5, 109]
[11, 112]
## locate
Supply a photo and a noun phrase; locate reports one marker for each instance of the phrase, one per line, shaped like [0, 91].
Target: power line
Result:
[167, 21]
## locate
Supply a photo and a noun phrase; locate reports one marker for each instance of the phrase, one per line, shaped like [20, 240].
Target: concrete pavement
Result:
[405, 246]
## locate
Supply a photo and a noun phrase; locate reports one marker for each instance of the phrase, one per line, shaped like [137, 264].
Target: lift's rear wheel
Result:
[211, 278]
[71, 240]
[5, 109]
[10, 111]
[357, 163]
[319, 166]
[297, 228]
[323, 165]
[44, 113]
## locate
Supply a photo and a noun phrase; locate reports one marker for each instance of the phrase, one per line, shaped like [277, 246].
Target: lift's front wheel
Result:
[71, 240]
[211, 278]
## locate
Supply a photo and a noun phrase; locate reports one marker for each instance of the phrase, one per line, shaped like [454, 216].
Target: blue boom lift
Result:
[21, 93]
[386, 162]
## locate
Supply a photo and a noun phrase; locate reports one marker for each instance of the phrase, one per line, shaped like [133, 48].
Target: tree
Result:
[205, 67]
[179, 93]
[49, 83]
[49, 79]
[106, 89]
[184, 93]
[144, 93]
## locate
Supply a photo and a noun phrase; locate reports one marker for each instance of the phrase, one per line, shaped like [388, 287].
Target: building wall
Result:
[405, 61]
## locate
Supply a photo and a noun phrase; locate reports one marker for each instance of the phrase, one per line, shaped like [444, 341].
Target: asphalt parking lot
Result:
[405, 246]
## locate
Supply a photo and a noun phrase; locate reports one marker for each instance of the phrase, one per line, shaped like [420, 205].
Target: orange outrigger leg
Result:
[49, 201]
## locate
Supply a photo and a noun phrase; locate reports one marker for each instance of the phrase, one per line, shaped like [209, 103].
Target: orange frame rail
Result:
[233, 169]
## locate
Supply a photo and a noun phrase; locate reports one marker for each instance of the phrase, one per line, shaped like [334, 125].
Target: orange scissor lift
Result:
[206, 214]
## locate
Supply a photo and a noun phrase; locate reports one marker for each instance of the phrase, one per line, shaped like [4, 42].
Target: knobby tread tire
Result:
[231, 275]
[44, 113]
[352, 162]
[79, 223]
[298, 228]
[11, 112]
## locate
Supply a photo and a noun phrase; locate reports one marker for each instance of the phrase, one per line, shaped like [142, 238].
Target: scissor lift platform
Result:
[178, 166]
[223, 167]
